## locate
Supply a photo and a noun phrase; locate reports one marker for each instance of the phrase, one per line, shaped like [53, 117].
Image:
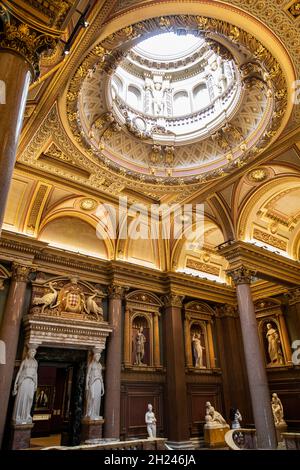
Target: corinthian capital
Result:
[241, 275]
[25, 41]
[20, 273]
[115, 291]
[173, 300]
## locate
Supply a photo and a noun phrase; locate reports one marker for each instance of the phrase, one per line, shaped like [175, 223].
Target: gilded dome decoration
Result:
[186, 114]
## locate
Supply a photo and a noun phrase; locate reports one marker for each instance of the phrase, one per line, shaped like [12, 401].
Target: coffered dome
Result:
[193, 109]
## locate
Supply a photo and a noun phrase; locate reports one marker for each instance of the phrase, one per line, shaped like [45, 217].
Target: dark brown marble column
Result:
[113, 365]
[15, 74]
[257, 376]
[176, 397]
[9, 334]
[20, 47]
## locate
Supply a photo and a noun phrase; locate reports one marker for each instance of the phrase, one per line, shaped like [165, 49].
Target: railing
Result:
[241, 439]
[140, 444]
[291, 440]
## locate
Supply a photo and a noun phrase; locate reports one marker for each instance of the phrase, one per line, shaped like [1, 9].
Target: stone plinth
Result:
[280, 428]
[20, 436]
[91, 429]
[215, 436]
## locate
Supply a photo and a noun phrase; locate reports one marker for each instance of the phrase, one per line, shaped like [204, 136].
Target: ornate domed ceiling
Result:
[208, 100]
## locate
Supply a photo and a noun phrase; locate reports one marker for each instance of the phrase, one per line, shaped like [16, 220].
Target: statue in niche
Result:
[274, 347]
[94, 387]
[197, 350]
[150, 420]
[140, 341]
[277, 410]
[24, 387]
[213, 419]
[158, 97]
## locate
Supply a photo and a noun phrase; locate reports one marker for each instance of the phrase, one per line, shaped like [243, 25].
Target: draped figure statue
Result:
[94, 387]
[24, 387]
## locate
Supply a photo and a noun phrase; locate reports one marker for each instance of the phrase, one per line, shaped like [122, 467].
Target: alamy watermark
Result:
[296, 352]
[138, 221]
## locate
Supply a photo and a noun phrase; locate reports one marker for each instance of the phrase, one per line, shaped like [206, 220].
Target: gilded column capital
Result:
[241, 275]
[25, 41]
[173, 300]
[115, 291]
[20, 273]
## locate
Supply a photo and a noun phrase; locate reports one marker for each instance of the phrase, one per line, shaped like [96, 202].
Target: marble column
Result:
[257, 376]
[285, 338]
[156, 342]
[211, 352]
[9, 334]
[19, 58]
[127, 342]
[176, 403]
[113, 365]
[187, 341]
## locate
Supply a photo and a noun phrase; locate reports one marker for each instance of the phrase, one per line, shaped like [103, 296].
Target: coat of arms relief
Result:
[71, 298]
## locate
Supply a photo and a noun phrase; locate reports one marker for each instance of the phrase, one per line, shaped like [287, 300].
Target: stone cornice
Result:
[266, 264]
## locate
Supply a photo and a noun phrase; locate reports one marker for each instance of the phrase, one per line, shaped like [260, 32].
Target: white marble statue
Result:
[197, 350]
[274, 347]
[140, 341]
[236, 418]
[213, 419]
[94, 387]
[277, 409]
[150, 420]
[158, 98]
[24, 388]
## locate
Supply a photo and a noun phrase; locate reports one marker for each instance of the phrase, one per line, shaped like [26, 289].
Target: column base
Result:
[20, 436]
[91, 430]
[181, 445]
[215, 437]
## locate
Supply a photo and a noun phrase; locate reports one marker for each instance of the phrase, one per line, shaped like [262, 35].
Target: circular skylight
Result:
[167, 46]
[174, 89]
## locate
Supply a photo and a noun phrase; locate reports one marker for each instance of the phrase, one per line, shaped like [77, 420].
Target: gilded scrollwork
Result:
[23, 40]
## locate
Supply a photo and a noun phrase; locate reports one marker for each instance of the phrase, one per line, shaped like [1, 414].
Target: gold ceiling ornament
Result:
[258, 175]
[88, 204]
[257, 74]
[23, 40]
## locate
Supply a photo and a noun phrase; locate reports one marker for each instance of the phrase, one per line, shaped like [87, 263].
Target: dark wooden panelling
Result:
[134, 401]
[198, 395]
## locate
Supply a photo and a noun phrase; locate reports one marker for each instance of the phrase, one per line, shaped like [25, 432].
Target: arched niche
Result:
[198, 320]
[274, 339]
[142, 309]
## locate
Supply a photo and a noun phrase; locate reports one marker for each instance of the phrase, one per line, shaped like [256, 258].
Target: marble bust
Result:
[213, 419]
[150, 420]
